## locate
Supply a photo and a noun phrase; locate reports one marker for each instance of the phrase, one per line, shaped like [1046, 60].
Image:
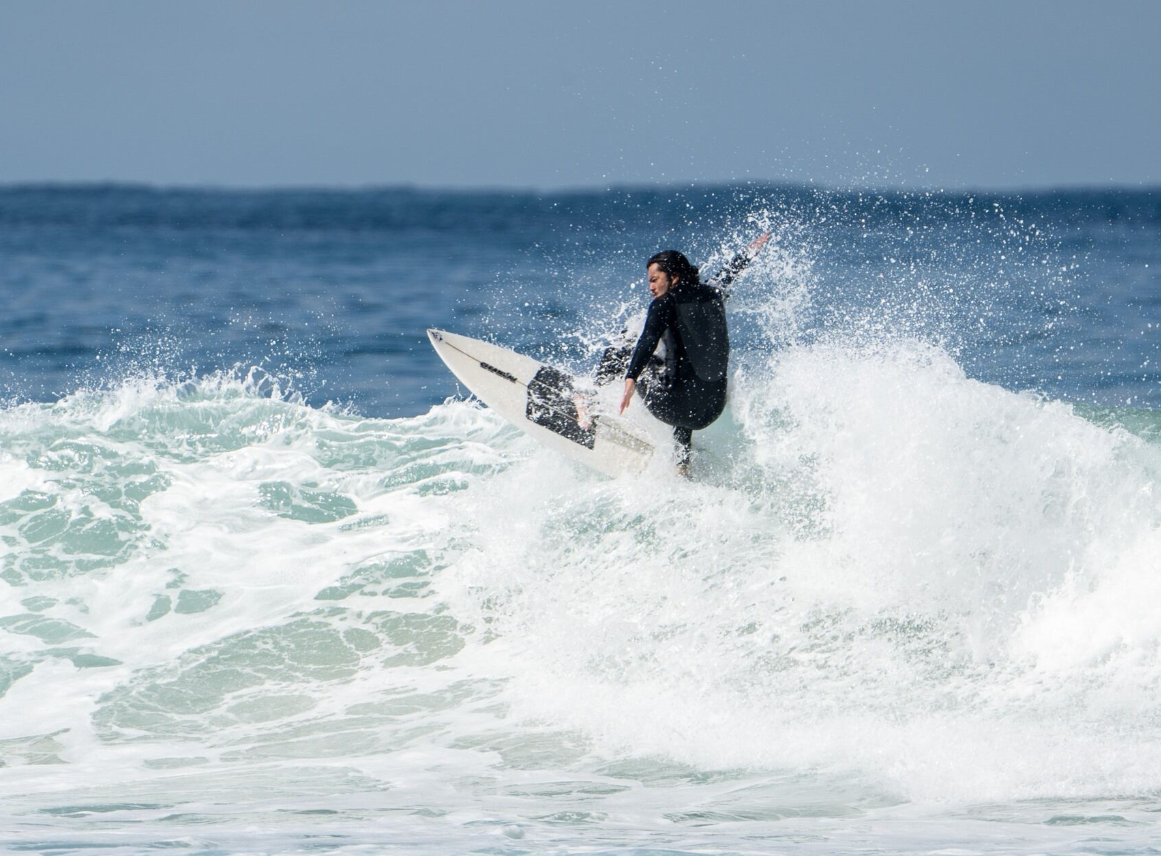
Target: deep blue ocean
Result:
[331, 290]
[271, 582]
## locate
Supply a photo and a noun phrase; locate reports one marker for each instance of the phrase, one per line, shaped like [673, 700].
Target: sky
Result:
[547, 95]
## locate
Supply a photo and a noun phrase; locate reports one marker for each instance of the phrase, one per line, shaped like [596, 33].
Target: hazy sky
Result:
[554, 94]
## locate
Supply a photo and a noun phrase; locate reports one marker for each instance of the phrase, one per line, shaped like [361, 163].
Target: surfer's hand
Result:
[630, 388]
[757, 244]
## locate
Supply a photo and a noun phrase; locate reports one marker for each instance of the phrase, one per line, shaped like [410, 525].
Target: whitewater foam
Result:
[889, 582]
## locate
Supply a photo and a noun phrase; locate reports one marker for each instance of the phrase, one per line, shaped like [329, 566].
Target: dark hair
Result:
[675, 264]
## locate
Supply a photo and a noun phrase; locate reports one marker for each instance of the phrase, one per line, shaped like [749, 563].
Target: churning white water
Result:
[231, 622]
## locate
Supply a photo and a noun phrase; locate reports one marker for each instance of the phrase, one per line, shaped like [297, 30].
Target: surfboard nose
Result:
[434, 335]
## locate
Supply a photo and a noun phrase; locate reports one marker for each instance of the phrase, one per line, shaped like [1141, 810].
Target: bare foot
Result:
[583, 419]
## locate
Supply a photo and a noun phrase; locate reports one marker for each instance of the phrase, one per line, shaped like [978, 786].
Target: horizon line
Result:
[567, 190]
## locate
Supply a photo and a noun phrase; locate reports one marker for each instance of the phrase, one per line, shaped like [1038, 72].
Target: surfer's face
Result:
[659, 281]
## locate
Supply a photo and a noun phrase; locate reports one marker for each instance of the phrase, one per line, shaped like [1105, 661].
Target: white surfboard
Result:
[547, 404]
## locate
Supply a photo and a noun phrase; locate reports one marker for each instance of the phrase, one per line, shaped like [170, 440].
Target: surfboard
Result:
[546, 403]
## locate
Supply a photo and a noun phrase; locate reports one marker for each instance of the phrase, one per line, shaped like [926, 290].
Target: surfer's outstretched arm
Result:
[659, 319]
[725, 277]
[656, 322]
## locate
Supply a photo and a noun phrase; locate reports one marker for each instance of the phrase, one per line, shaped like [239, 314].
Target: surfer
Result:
[686, 389]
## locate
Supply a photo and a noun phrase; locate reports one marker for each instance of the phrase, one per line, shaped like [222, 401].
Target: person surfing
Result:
[687, 387]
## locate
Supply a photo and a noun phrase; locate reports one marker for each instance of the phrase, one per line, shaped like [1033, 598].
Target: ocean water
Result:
[270, 583]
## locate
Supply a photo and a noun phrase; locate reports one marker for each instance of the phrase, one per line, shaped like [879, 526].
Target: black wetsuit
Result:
[688, 389]
[690, 392]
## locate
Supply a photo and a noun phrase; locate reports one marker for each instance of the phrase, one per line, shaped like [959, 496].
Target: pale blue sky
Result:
[582, 94]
